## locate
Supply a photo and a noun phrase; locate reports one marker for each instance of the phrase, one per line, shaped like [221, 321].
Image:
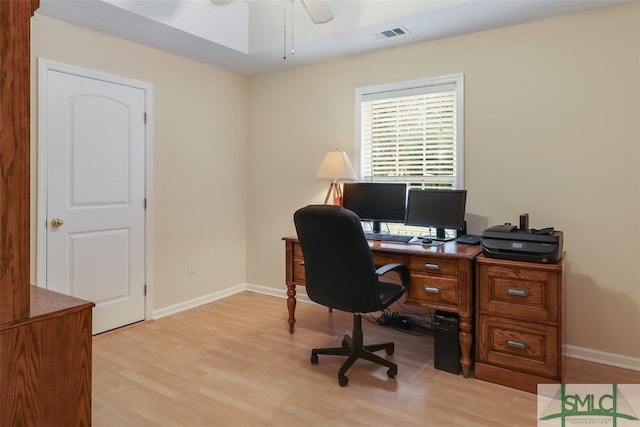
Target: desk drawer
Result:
[433, 289]
[381, 258]
[297, 250]
[525, 293]
[298, 271]
[298, 265]
[522, 346]
[425, 265]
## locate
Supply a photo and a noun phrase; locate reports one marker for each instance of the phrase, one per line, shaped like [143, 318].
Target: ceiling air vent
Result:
[393, 32]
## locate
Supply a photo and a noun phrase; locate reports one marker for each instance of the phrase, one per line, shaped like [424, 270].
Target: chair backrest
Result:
[338, 263]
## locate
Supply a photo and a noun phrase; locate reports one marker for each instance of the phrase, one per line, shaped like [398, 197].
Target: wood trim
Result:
[46, 304]
[45, 337]
[511, 378]
[15, 58]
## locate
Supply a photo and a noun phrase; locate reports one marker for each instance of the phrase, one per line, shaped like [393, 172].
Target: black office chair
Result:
[340, 274]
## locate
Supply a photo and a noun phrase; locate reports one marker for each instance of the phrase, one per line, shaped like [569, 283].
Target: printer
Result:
[509, 242]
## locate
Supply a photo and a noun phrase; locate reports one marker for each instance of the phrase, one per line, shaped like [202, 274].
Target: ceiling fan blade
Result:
[318, 10]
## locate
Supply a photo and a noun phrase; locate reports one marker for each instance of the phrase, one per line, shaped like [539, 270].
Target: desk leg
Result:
[465, 337]
[291, 305]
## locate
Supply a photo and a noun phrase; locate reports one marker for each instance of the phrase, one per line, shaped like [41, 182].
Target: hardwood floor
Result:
[233, 363]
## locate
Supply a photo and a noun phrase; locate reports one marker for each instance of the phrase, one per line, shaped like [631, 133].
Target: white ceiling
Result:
[248, 36]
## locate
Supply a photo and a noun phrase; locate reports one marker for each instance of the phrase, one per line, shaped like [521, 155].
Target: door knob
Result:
[56, 222]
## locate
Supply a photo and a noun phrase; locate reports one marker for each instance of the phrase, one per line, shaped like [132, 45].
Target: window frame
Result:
[415, 85]
[425, 85]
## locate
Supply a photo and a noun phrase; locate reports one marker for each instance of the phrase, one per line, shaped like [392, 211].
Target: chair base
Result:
[354, 349]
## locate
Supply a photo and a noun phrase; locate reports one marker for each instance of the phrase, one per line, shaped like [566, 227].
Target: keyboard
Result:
[387, 237]
[469, 239]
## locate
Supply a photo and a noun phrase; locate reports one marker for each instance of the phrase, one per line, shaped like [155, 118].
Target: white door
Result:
[95, 195]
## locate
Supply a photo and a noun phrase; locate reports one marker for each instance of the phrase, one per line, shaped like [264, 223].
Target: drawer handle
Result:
[430, 266]
[301, 262]
[431, 289]
[517, 292]
[516, 344]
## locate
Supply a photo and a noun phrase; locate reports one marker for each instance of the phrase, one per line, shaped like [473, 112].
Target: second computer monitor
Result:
[439, 209]
[376, 201]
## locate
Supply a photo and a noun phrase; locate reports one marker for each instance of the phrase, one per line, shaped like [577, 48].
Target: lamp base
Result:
[334, 188]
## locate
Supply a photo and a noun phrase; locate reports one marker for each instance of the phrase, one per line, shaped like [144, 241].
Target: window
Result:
[412, 132]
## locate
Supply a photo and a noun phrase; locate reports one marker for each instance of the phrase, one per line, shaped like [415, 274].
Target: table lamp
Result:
[336, 167]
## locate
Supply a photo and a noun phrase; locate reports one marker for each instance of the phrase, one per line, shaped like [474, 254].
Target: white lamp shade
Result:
[337, 167]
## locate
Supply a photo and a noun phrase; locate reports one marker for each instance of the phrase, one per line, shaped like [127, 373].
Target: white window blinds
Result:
[411, 132]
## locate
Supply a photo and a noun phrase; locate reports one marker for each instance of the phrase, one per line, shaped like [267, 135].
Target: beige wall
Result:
[200, 148]
[551, 129]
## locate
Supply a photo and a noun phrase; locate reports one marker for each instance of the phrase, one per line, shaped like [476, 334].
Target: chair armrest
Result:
[400, 268]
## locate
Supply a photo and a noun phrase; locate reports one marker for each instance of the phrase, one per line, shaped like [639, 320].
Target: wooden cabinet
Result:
[45, 363]
[519, 322]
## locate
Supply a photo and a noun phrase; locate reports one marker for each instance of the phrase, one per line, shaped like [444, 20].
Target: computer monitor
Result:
[439, 209]
[376, 201]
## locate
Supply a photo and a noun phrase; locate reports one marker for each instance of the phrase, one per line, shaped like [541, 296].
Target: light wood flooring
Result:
[233, 363]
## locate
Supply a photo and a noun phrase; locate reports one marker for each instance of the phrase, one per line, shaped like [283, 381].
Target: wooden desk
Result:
[441, 278]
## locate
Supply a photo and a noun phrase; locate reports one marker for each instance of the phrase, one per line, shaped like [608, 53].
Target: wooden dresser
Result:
[45, 366]
[519, 322]
[441, 278]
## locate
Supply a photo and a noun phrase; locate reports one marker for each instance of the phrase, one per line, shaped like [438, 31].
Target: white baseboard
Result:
[280, 293]
[597, 356]
[192, 303]
[214, 296]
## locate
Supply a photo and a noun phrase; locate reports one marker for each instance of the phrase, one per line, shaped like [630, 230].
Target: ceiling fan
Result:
[319, 10]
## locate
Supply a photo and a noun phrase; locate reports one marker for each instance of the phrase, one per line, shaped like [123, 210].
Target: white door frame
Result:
[44, 66]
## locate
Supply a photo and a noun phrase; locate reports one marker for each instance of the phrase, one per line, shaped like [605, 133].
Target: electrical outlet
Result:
[191, 267]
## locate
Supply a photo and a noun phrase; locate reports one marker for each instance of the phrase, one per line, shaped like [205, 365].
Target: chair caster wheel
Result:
[392, 372]
[343, 380]
[389, 350]
[314, 359]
